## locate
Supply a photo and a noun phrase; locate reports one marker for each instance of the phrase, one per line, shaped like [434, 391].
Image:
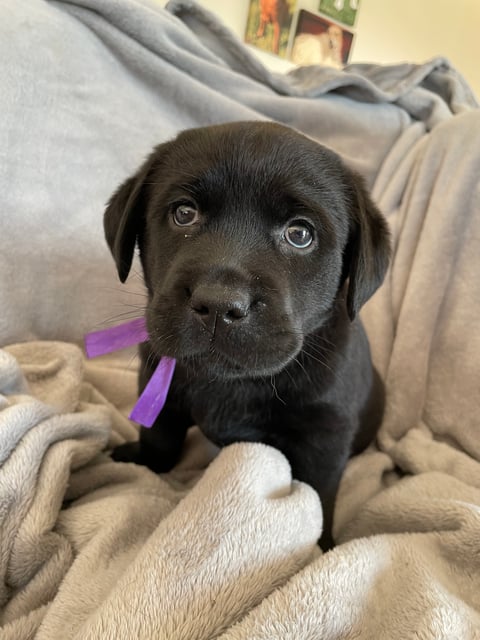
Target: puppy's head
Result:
[247, 234]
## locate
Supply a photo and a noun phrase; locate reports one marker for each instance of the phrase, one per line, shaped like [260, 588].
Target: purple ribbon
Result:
[124, 335]
[152, 400]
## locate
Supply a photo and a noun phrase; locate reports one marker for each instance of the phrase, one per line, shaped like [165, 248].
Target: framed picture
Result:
[318, 40]
[269, 23]
[344, 11]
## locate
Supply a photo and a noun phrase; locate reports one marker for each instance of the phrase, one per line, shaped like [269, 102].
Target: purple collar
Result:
[152, 400]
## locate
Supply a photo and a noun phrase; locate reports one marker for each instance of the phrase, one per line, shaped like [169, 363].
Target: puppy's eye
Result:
[299, 235]
[185, 215]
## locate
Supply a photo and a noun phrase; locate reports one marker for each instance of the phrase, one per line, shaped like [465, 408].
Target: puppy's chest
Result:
[228, 411]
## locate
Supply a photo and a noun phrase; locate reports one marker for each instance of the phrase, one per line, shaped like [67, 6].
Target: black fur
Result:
[265, 334]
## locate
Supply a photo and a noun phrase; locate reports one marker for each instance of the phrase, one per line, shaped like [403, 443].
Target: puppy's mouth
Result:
[229, 350]
[241, 364]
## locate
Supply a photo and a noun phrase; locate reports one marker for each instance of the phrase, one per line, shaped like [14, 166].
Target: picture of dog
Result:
[319, 41]
[258, 248]
[325, 48]
[269, 23]
[272, 12]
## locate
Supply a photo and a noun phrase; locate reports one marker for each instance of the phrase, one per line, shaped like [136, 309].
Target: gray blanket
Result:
[91, 548]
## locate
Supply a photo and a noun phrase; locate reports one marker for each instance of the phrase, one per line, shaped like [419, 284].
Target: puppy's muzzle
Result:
[217, 305]
[236, 320]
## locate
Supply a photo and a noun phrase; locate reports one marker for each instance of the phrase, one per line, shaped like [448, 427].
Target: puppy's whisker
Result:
[323, 347]
[275, 392]
[300, 364]
[291, 377]
[129, 311]
[131, 360]
[319, 360]
[122, 290]
[134, 310]
[321, 350]
[323, 362]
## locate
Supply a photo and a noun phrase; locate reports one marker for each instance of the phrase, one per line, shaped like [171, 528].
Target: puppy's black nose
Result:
[217, 303]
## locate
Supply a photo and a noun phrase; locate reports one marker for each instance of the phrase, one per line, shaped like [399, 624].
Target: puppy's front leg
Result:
[160, 446]
[318, 446]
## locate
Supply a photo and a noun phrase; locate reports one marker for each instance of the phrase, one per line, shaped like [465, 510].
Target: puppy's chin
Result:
[216, 365]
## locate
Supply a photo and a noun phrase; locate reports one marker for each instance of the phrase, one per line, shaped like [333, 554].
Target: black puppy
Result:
[258, 248]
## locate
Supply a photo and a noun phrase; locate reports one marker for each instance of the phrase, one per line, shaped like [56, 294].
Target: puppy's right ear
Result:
[125, 217]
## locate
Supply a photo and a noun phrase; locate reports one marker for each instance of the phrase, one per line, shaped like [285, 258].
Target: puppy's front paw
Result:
[128, 452]
[137, 452]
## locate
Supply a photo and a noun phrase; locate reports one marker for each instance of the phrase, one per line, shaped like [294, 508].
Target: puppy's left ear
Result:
[367, 254]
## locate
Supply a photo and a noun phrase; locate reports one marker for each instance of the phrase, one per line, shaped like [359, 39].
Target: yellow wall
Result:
[395, 31]
[415, 30]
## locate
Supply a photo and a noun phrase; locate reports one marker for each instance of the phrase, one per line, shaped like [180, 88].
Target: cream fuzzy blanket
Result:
[224, 545]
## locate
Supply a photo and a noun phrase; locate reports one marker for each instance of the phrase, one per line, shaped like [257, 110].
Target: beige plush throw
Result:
[224, 546]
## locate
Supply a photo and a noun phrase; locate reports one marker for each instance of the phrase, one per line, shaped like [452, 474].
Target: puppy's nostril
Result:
[237, 312]
[202, 310]
[188, 292]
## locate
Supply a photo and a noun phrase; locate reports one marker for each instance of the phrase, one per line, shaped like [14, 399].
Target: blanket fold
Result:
[218, 547]
[39, 445]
